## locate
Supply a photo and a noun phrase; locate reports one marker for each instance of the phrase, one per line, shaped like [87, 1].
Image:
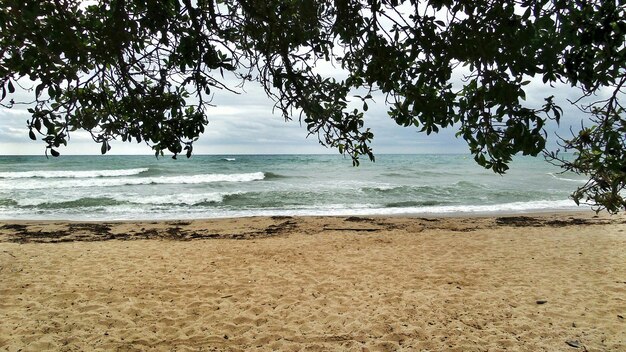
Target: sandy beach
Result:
[540, 282]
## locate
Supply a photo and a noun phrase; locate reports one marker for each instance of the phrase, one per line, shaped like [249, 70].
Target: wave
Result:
[228, 159]
[116, 182]
[386, 189]
[566, 179]
[181, 199]
[469, 185]
[258, 200]
[111, 209]
[72, 174]
[412, 173]
[406, 204]
[423, 191]
[371, 209]
[498, 208]
[75, 203]
[443, 193]
[273, 176]
[7, 202]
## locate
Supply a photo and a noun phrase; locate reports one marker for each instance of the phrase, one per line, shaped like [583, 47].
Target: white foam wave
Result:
[145, 211]
[179, 199]
[72, 174]
[127, 181]
[383, 187]
[370, 209]
[566, 179]
[171, 199]
[512, 207]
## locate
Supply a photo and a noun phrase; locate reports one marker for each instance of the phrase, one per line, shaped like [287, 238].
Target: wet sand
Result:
[541, 282]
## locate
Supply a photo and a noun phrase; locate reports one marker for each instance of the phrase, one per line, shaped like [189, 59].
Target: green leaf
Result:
[38, 90]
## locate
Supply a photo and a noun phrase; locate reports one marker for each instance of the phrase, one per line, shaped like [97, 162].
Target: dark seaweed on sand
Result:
[92, 232]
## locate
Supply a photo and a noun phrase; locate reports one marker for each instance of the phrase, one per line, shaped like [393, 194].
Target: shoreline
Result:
[452, 214]
[33, 230]
[523, 282]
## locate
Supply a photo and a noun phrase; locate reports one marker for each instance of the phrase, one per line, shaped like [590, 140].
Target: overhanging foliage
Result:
[140, 70]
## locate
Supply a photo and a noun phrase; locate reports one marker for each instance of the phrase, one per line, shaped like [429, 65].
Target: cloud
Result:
[246, 123]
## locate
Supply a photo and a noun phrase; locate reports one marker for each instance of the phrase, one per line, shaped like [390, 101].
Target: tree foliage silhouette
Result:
[145, 71]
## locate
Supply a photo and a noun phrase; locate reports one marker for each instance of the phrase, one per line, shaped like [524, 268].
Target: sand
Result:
[543, 282]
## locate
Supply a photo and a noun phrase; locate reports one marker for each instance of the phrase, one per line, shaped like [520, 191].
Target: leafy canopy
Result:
[145, 70]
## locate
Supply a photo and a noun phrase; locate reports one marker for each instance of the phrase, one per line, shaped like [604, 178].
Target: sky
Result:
[246, 124]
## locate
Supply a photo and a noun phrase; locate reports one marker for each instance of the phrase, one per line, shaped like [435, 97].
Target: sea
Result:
[216, 186]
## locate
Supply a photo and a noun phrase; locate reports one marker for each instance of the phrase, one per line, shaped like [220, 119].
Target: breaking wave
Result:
[128, 181]
[72, 174]
[566, 179]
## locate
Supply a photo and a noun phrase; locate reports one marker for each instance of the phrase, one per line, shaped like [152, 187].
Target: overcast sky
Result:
[245, 124]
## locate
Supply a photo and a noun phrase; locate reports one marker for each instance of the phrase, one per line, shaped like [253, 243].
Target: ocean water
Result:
[209, 186]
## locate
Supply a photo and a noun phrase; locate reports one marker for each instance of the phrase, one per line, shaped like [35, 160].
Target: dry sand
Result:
[554, 282]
